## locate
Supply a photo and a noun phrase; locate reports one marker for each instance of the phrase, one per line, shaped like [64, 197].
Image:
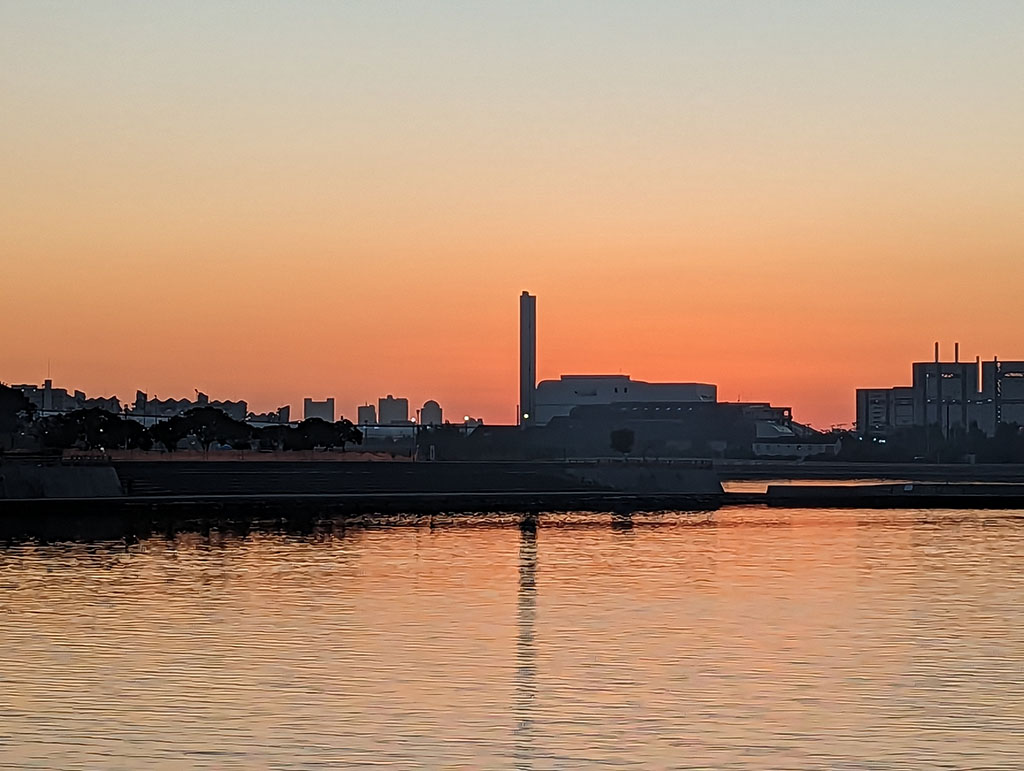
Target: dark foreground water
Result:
[751, 639]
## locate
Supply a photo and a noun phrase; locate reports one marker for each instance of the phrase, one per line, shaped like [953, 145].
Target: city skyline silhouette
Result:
[787, 201]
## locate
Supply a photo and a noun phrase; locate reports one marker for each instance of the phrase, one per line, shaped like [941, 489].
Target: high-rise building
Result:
[527, 359]
[314, 409]
[392, 411]
[366, 414]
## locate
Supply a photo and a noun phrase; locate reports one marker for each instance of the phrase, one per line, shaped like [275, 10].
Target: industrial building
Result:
[527, 360]
[52, 401]
[540, 403]
[148, 411]
[952, 395]
[574, 415]
[558, 398]
[49, 400]
[280, 416]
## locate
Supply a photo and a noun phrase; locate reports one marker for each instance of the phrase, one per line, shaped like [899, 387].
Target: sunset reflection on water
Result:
[745, 639]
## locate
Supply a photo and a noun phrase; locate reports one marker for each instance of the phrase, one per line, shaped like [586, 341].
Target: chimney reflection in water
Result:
[526, 654]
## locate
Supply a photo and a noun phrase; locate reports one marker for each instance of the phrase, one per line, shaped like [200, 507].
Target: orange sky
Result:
[784, 201]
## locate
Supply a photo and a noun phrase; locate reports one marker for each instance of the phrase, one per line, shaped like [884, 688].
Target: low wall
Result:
[910, 495]
[37, 481]
[645, 478]
[298, 478]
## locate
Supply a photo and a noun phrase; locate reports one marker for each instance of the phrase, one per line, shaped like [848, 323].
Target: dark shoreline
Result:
[191, 495]
[731, 470]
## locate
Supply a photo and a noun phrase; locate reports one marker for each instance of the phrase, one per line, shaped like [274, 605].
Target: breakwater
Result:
[152, 497]
[824, 470]
[167, 496]
[892, 496]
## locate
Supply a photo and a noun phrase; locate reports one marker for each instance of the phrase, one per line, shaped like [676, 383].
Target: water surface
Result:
[750, 639]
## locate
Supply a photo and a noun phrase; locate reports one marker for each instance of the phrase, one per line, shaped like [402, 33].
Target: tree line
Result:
[95, 429]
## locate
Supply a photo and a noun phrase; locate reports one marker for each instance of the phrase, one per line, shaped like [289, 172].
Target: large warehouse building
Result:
[540, 403]
[574, 415]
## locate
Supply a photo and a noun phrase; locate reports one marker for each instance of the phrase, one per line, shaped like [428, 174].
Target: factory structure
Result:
[146, 409]
[574, 416]
[952, 395]
[540, 403]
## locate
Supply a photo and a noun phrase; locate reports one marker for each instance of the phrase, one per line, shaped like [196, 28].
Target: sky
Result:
[273, 200]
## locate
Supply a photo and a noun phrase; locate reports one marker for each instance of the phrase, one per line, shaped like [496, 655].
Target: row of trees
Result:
[206, 426]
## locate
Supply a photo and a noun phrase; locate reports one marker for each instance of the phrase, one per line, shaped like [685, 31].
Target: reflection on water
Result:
[526, 650]
[751, 639]
[760, 485]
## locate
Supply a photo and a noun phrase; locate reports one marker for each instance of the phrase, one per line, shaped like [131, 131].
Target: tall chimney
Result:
[527, 359]
[956, 352]
[936, 351]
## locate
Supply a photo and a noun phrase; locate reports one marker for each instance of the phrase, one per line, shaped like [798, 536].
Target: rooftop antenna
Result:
[956, 353]
[936, 351]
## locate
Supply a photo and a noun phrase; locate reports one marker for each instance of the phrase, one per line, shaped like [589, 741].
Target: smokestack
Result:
[936, 351]
[527, 359]
[956, 352]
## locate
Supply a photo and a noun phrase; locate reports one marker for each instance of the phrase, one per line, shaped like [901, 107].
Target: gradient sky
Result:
[276, 200]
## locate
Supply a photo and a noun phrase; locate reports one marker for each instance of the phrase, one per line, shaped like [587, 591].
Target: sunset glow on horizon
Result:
[789, 200]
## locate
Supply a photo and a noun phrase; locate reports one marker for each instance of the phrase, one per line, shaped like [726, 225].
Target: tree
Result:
[347, 432]
[15, 408]
[209, 425]
[622, 440]
[90, 429]
[316, 432]
[57, 432]
[273, 437]
[169, 432]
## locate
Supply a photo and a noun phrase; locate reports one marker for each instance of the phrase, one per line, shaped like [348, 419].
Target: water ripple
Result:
[747, 639]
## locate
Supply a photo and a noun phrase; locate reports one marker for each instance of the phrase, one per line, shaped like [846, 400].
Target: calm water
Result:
[751, 639]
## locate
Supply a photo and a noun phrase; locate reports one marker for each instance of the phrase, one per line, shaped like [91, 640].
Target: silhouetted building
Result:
[48, 399]
[366, 415]
[540, 402]
[314, 409]
[430, 414]
[660, 430]
[555, 398]
[280, 416]
[951, 395]
[147, 410]
[527, 359]
[392, 411]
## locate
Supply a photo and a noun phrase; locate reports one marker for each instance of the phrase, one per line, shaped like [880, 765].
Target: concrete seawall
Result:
[167, 496]
[892, 496]
[23, 480]
[327, 477]
[922, 472]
